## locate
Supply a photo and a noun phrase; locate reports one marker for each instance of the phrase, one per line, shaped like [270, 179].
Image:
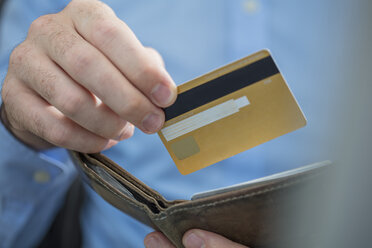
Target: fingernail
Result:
[152, 122]
[194, 241]
[162, 95]
[151, 242]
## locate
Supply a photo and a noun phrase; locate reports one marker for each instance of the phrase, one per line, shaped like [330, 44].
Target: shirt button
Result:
[250, 6]
[41, 176]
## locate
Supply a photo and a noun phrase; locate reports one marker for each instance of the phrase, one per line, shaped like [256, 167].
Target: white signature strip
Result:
[204, 118]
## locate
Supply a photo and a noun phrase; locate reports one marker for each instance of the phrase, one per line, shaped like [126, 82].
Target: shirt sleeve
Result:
[32, 184]
[32, 188]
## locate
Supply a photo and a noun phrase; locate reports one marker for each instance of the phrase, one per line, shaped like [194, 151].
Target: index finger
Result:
[98, 24]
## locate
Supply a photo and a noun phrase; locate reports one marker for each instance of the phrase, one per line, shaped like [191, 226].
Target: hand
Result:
[192, 239]
[81, 80]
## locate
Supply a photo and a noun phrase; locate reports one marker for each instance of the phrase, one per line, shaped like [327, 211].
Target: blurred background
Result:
[323, 48]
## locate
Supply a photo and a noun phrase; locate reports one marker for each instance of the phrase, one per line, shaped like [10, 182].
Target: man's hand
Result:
[81, 80]
[192, 239]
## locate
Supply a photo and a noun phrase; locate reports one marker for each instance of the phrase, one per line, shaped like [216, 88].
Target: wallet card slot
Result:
[112, 181]
[124, 175]
[124, 187]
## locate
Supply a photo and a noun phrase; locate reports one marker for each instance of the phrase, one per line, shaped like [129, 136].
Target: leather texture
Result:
[274, 213]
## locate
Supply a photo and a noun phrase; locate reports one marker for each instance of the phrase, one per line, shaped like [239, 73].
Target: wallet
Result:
[276, 211]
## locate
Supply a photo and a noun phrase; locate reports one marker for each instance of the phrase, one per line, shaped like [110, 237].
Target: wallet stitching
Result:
[228, 199]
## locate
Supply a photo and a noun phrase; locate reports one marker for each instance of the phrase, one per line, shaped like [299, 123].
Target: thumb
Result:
[203, 239]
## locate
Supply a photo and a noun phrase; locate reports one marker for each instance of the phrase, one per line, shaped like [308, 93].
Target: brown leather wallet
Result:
[267, 213]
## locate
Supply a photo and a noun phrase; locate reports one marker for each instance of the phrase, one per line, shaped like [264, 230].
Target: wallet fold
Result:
[265, 214]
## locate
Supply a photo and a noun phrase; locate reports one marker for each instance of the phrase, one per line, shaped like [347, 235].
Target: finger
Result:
[56, 87]
[97, 23]
[157, 240]
[198, 238]
[155, 55]
[86, 65]
[32, 113]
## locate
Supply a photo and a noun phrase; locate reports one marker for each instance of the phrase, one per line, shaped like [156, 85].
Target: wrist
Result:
[27, 138]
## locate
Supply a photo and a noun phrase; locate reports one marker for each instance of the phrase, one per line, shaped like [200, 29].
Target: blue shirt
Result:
[193, 37]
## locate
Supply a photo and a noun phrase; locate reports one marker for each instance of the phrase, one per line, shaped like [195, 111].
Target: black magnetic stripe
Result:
[221, 86]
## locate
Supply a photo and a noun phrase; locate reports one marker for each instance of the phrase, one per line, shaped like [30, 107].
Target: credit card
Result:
[228, 111]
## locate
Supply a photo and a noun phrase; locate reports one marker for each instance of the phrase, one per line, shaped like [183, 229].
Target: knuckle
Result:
[74, 4]
[72, 105]
[79, 4]
[63, 42]
[16, 57]
[19, 55]
[81, 62]
[104, 32]
[41, 24]
[103, 8]
[89, 8]
[58, 136]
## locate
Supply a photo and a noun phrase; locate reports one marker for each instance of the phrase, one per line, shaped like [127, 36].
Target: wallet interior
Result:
[125, 184]
[253, 215]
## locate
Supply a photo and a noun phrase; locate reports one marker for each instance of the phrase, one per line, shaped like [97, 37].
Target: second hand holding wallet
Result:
[260, 213]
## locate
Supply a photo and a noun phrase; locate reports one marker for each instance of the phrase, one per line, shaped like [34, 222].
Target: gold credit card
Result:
[227, 111]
